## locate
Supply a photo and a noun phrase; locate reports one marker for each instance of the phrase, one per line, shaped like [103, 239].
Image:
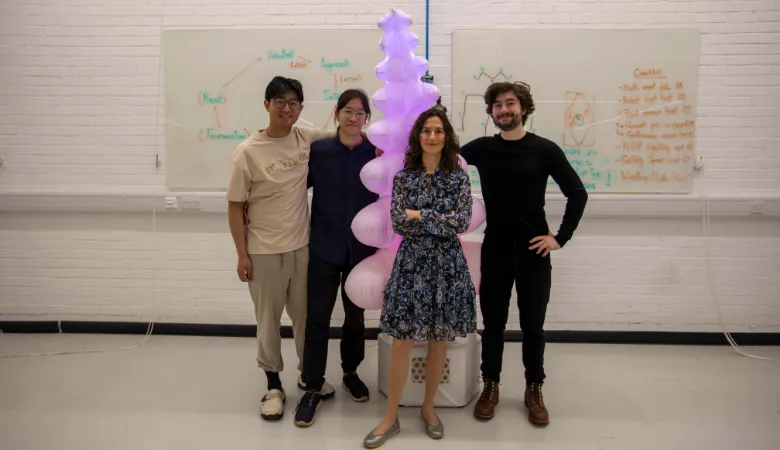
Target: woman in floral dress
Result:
[430, 296]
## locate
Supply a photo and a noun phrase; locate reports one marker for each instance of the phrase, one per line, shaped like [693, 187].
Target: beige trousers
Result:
[279, 281]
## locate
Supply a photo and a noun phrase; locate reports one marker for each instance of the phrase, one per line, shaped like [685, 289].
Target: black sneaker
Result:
[355, 386]
[307, 409]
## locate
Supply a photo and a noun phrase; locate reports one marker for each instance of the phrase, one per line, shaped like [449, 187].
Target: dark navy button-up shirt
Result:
[334, 173]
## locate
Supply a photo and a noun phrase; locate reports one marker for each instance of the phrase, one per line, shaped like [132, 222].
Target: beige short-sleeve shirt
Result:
[270, 174]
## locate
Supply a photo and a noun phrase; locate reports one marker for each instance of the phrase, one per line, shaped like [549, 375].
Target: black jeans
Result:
[323, 284]
[505, 263]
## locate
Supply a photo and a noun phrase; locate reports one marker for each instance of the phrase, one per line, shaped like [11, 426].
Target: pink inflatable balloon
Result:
[392, 133]
[388, 254]
[409, 98]
[378, 174]
[428, 97]
[374, 175]
[372, 225]
[393, 69]
[463, 164]
[397, 39]
[396, 243]
[402, 99]
[478, 214]
[473, 252]
[423, 102]
[366, 283]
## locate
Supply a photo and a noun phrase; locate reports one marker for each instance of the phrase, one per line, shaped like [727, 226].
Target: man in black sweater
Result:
[514, 167]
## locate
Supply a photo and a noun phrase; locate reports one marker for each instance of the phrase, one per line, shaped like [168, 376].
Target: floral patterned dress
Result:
[430, 295]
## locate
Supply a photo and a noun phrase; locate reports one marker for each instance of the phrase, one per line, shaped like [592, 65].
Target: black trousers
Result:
[324, 280]
[505, 263]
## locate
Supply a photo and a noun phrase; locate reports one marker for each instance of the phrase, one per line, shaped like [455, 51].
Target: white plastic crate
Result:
[459, 384]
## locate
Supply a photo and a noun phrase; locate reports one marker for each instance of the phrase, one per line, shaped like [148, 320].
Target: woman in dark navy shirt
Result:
[339, 194]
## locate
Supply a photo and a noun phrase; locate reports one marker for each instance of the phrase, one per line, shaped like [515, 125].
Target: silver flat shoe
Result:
[377, 440]
[433, 431]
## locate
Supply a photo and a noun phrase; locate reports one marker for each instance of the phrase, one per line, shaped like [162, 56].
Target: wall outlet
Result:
[757, 207]
[190, 203]
[171, 203]
[698, 165]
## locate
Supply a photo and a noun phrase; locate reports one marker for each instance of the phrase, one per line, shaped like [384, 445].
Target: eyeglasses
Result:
[348, 113]
[293, 104]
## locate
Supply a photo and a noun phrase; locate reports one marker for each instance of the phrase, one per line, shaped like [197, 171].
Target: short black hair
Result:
[350, 94]
[281, 85]
[521, 90]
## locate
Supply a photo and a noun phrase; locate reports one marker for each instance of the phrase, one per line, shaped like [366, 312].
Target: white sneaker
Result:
[327, 392]
[273, 405]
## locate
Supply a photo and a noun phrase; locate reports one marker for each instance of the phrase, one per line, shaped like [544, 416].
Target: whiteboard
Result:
[621, 103]
[215, 84]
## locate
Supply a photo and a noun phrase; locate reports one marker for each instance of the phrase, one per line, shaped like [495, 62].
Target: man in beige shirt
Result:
[268, 175]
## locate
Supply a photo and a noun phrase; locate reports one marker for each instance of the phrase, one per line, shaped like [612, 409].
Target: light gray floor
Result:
[204, 393]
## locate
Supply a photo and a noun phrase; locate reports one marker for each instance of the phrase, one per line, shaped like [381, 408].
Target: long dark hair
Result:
[449, 157]
[347, 96]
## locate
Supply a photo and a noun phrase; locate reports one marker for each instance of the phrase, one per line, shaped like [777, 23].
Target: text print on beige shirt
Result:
[270, 174]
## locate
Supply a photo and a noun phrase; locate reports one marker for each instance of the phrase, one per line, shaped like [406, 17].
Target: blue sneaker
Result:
[307, 409]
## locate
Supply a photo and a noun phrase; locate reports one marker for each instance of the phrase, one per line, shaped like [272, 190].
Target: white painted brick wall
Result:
[80, 78]
[619, 274]
[79, 112]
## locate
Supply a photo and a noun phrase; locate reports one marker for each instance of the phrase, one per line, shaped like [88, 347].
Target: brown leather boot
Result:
[537, 412]
[486, 405]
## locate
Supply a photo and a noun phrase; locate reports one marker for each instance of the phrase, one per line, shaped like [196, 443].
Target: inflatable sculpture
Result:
[403, 98]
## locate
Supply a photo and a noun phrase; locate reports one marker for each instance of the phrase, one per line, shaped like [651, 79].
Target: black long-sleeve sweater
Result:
[514, 175]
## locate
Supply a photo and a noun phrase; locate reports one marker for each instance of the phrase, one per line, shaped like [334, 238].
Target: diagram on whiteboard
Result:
[215, 100]
[624, 115]
[473, 121]
[474, 103]
[579, 120]
[215, 82]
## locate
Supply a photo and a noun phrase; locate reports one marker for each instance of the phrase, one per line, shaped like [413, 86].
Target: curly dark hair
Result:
[521, 90]
[449, 157]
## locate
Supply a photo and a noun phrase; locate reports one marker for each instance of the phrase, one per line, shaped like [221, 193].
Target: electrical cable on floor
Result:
[148, 334]
[713, 291]
[150, 327]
